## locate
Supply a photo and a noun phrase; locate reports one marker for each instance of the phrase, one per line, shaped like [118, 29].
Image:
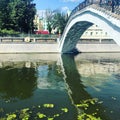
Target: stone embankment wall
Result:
[98, 48]
[53, 48]
[28, 48]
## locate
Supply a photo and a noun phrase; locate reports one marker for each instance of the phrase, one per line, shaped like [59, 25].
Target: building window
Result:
[86, 33]
[91, 33]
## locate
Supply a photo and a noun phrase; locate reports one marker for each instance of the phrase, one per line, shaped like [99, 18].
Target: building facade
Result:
[95, 34]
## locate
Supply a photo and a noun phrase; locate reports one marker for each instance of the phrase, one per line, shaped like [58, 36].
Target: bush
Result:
[6, 32]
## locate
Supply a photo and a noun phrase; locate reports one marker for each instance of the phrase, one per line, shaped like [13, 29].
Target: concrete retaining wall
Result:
[28, 48]
[98, 48]
[53, 48]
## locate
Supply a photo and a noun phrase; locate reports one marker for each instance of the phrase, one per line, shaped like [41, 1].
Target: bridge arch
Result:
[83, 19]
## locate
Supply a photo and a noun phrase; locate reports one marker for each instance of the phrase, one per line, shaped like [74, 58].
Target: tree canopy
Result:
[59, 21]
[17, 15]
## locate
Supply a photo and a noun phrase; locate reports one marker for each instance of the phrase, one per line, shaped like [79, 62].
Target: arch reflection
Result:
[76, 88]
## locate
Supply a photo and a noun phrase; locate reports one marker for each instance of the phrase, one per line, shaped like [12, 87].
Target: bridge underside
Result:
[74, 35]
[81, 21]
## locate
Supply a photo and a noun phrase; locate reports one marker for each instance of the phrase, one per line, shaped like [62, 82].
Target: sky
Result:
[56, 4]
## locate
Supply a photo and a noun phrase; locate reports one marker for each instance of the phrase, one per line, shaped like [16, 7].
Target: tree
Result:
[59, 21]
[4, 14]
[17, 15]
[48, 16]
[26, 15]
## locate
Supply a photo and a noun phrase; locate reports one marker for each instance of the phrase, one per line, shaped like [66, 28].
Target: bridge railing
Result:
[108, 10]
[79, 7]
[109, 6]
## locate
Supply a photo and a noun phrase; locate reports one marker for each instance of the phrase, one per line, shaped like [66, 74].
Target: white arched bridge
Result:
[84, 16]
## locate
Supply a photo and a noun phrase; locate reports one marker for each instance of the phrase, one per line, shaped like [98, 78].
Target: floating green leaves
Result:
[11, 116]
[82, 105]
[56, 115]
[27, 113]
[85, 116]
[48, 105]
[85, 105]
[64, 109]
[40, 115]
[24, 114]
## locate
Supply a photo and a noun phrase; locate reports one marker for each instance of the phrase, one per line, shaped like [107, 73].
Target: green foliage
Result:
[40, 115]
[85, 116]
[64, 109]
[5, 32]
[59, 21]
[48, 105]
[17, 15]
[31, 113]
[11, 116]
[85, 105]
[26, 113]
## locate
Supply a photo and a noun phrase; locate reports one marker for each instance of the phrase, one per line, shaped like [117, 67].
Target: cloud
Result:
[71, 0]
[65, 8]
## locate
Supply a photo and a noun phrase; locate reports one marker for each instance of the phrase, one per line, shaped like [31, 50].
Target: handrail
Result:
[112, 7]
[107, 10]
[25, 39]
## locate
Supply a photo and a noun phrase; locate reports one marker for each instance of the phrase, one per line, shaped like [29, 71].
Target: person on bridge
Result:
[113, 5]
[117, 2]
[100, 2]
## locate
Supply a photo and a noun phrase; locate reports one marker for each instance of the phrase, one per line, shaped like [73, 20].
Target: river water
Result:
[60, 87]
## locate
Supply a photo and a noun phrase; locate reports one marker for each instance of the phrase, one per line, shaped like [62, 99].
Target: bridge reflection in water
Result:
[91, 75]
[76, 89]
[38, 80]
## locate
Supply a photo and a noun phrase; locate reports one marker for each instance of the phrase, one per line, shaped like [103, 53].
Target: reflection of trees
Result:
[78, 92]
[17, 82]
[55, 69]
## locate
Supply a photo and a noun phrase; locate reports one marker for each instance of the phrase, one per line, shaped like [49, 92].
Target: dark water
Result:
[32, 80]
